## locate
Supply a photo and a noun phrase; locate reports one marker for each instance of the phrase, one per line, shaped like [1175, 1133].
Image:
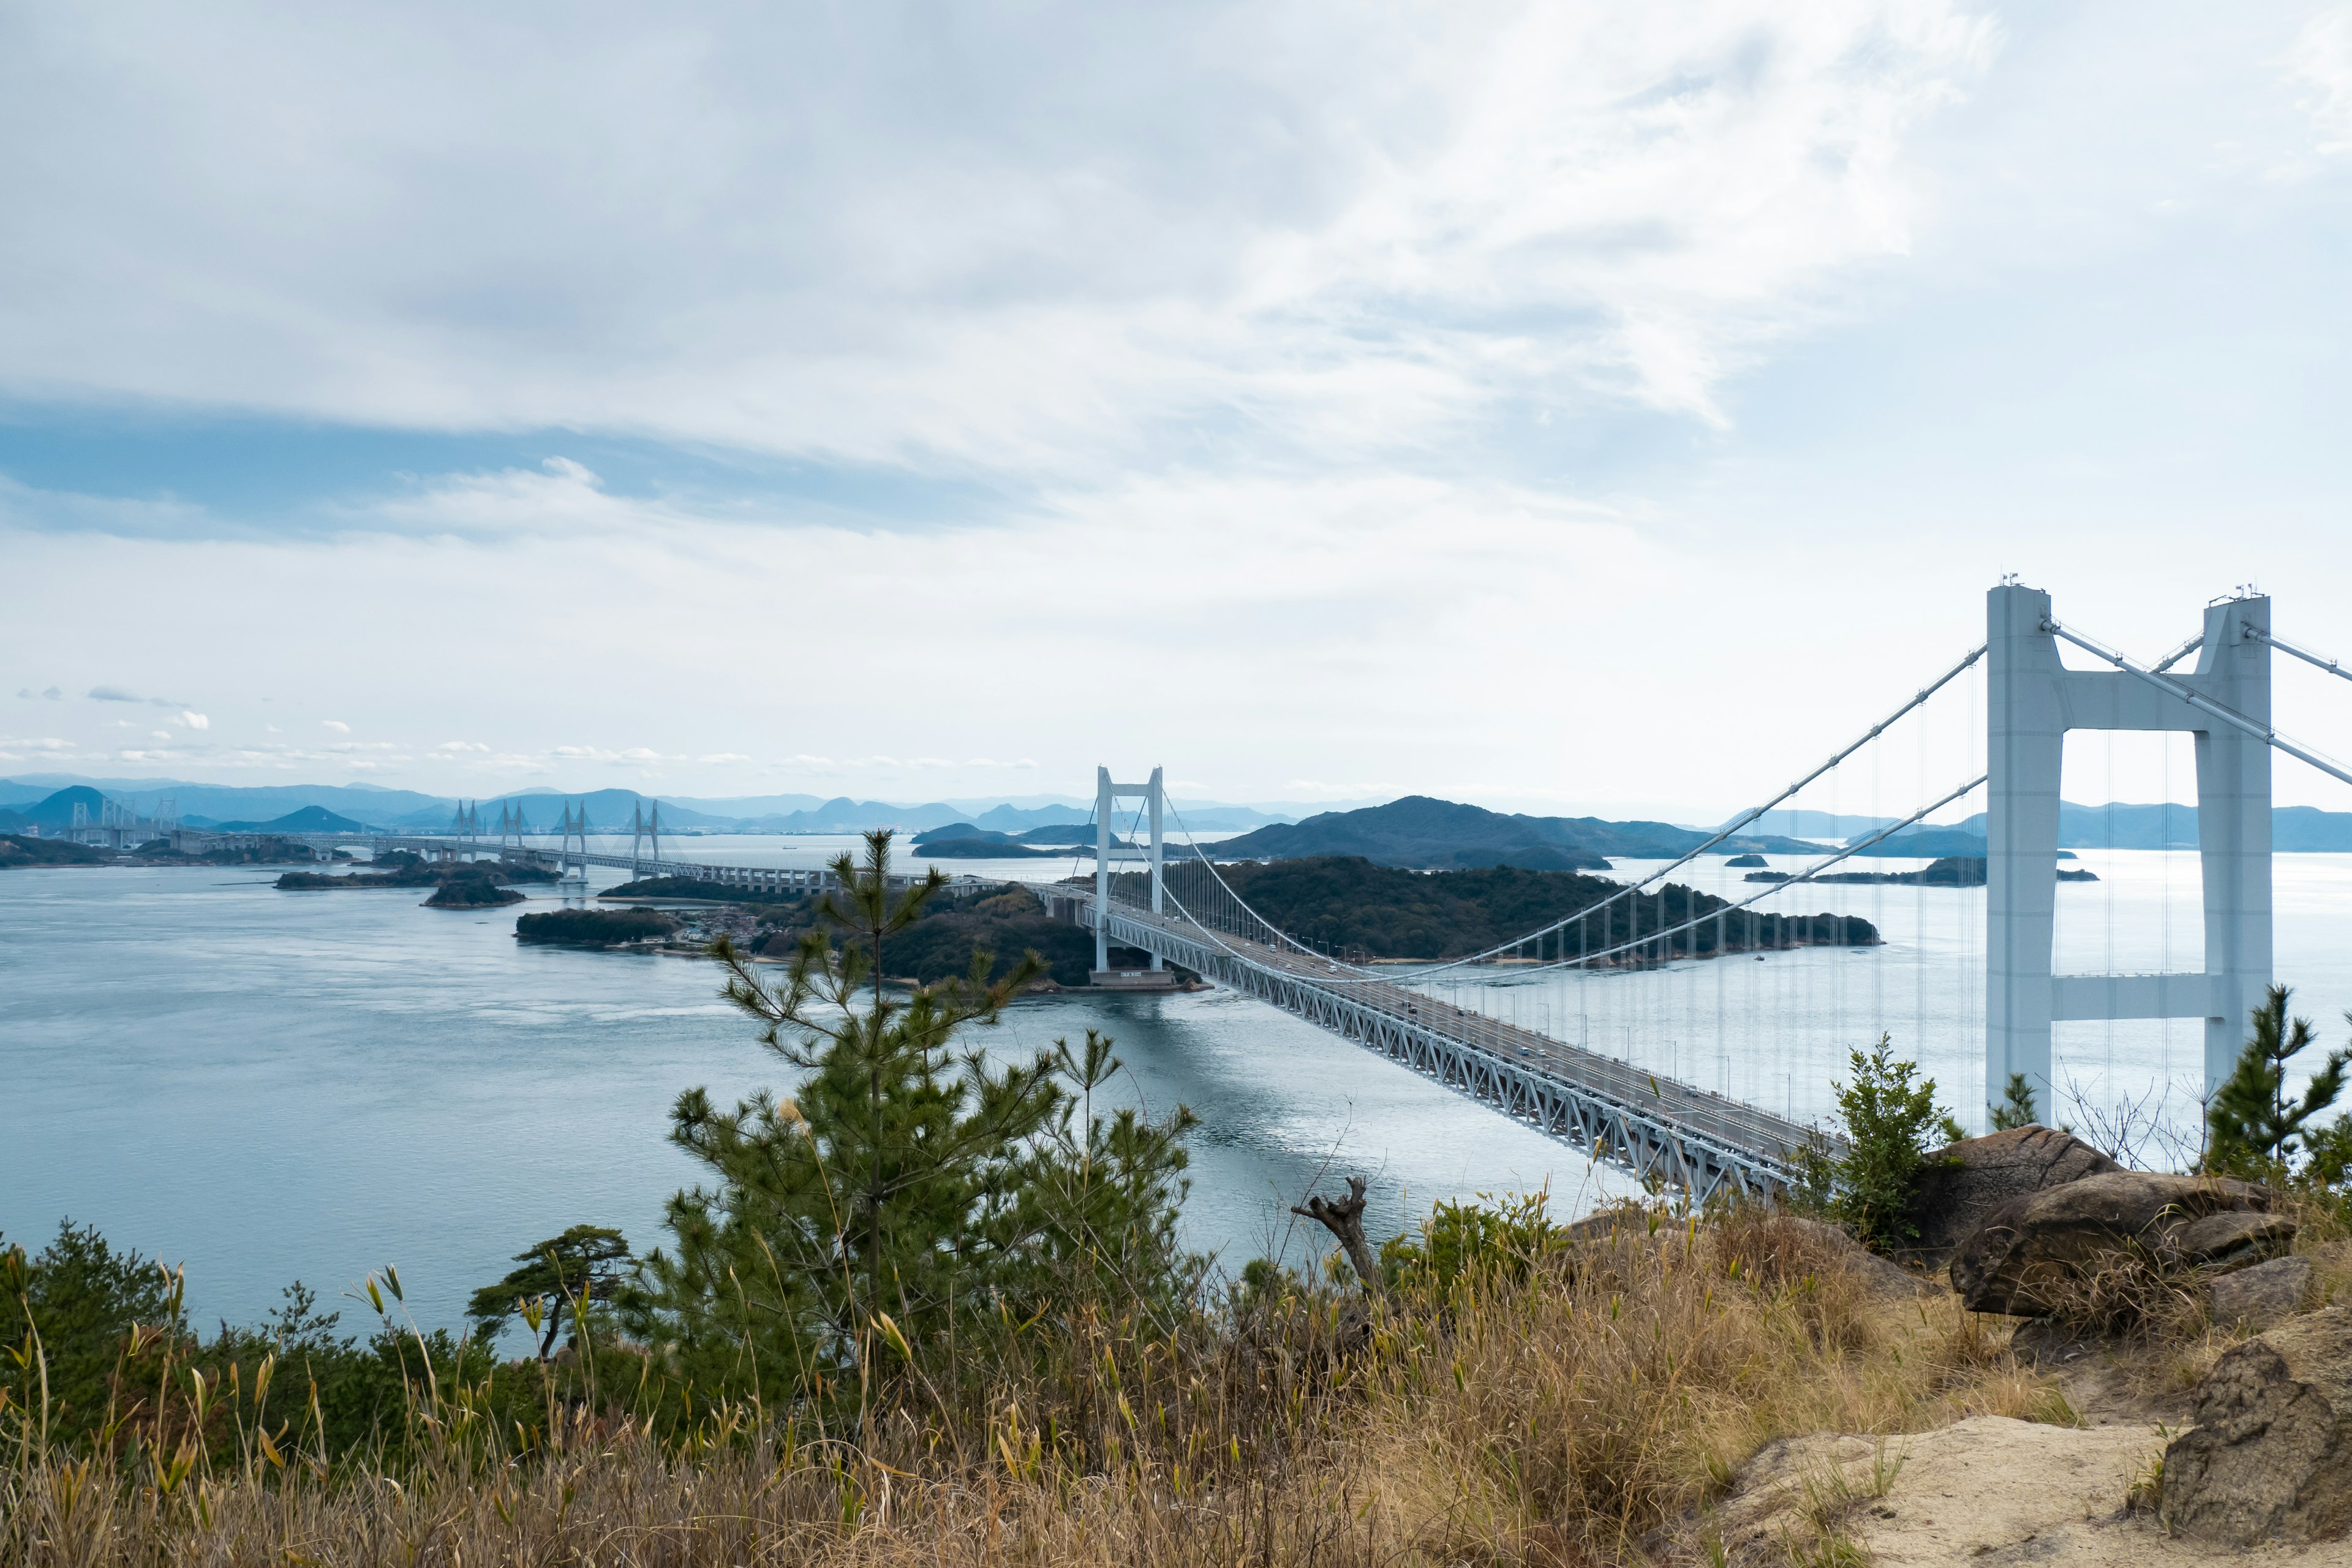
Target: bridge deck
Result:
[1657, 1125]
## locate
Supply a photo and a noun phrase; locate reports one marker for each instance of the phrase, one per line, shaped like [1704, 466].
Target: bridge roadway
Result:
[1656, 1127]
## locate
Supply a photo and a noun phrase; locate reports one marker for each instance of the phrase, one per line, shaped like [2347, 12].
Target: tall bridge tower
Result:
[2033, 702]
[1106, 798]
[642, 829]
[573, 825]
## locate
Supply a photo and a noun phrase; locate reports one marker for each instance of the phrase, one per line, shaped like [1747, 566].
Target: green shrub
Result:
[1890, 1121]
[1484, 1240]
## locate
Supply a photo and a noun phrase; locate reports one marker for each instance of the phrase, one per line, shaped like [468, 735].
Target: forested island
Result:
[1424, 833]
[20, 850]
[456, 884]
[1346, 905]
[1008, 921]
[594, 928]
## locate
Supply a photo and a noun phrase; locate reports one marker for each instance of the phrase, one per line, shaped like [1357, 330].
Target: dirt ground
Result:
[1985, 1492]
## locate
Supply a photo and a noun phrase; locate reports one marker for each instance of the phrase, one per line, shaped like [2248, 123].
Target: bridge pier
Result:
[1106, 798]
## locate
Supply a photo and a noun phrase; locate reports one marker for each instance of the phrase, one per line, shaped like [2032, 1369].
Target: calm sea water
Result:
[271, 1086]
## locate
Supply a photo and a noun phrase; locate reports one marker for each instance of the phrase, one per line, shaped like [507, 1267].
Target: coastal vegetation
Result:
[17, 849]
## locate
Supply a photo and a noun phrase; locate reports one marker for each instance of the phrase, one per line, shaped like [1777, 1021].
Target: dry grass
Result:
[1581, 1414]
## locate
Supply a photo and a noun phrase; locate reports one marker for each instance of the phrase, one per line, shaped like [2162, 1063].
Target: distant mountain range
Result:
[40, 800]
[1417, 831]
[2294, 829]
[1424, 834]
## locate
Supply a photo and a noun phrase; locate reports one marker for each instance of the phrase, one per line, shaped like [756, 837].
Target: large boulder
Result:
[1965, 1182]
[2261, 1295]
[2040, 1253]
[2270, 1456]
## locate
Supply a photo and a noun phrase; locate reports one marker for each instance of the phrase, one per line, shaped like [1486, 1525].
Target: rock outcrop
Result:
[1964, 1183]
[2037, 1254]
[2270, 1456]
[2261, 1295]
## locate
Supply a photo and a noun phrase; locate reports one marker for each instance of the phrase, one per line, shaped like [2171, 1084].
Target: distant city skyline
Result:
[1580, 409]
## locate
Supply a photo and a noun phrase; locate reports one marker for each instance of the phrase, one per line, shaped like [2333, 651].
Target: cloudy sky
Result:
[1577, 406]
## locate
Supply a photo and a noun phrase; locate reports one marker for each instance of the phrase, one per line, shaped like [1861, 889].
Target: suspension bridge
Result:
[1557, 1073]
[1705, 1140]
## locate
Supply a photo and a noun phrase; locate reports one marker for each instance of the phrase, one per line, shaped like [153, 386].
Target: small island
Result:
[594, 928]
[406, 869]
[963, 841]
[1738, 860]
[471, 893]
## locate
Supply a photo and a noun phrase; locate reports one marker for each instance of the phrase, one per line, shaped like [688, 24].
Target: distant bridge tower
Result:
[644, 829]
[1106, 798]
[574, 826]
[468, 822]
[2033, 702]
[167, 816]
[511, 827]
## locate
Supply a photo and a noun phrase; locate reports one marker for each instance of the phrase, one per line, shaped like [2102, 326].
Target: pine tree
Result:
[904, 1189]
[567, 1272]
[2016, 1107]
[2255, 1131]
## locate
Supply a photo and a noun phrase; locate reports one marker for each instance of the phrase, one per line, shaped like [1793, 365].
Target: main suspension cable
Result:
[1629, 890]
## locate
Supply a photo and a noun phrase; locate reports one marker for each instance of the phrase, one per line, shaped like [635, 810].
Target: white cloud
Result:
[195, 720]
[337, 725]
[457, 746]
[1034, 245]
[724, 757]
[2320, 60]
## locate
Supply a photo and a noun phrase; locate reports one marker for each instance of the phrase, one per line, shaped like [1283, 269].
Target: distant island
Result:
[16, 849]
[696, 888]
[962, 841]
[1347, 906]
[456, 884]
[1951, 871]
[1421, 833]
[594, 928]
[471, 893]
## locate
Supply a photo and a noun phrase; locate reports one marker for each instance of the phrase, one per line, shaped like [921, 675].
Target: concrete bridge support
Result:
[2033, 702]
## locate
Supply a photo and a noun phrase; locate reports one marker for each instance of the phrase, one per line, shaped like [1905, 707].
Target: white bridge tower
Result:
[2033, 702]
[1106, 798]
[574, 826]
